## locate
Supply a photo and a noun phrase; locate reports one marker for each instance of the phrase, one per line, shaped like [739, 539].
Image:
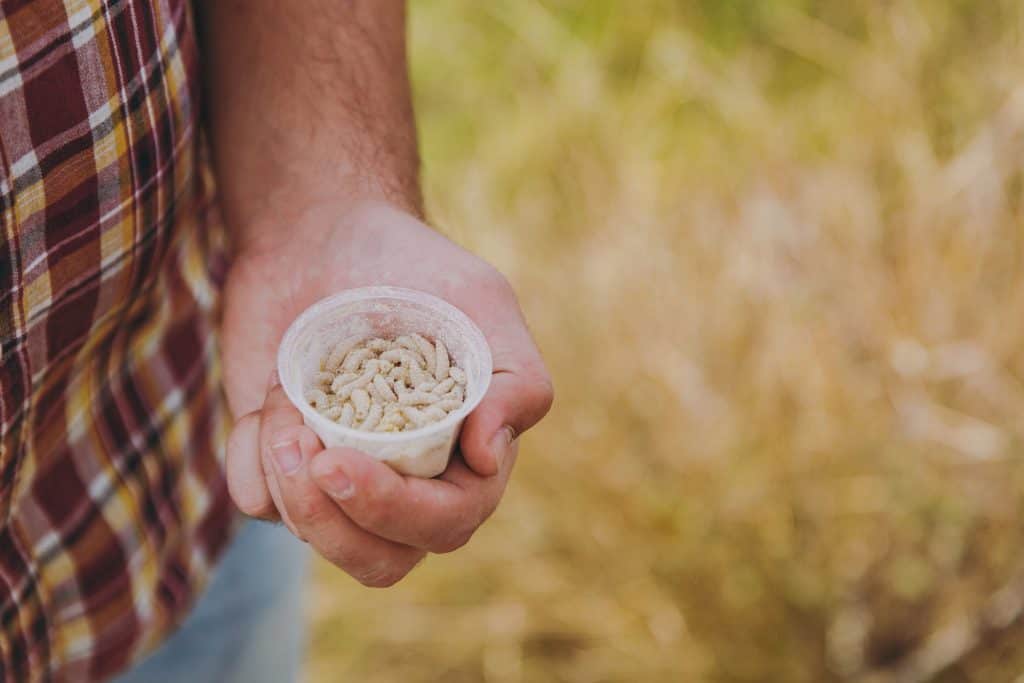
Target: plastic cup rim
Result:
[368, 294]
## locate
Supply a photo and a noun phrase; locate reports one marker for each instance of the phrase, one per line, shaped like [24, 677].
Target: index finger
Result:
[438, 515]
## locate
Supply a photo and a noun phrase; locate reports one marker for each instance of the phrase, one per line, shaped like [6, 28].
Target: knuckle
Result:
[253, 508]
[546, 391]
[242, 427]
[339, 553]
[382, 575]
[494, 281]
[542, 386]
[503, 288]
[309, 510]
[482, 505]
[377, 511]
[380, 580]
[243, 500]
[379, 517]
[242, 443]
[368, 512]
[452, 539]
[487, 508]
[539, 393]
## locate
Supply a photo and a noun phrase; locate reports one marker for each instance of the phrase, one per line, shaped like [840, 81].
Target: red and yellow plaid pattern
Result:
[112, 497]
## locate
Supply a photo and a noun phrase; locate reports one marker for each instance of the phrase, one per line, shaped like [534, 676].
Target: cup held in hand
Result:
[387, 312]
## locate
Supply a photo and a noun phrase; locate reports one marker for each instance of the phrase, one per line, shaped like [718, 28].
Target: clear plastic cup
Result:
[357, 314]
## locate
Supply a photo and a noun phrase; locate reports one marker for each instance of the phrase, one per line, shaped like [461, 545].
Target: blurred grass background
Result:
[773, 251]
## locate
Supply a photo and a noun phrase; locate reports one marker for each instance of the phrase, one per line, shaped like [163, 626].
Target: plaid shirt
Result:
[113, 504]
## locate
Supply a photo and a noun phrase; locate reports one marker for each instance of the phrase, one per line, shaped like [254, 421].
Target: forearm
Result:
[306, 102]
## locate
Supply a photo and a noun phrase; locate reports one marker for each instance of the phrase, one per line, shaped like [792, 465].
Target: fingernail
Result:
[337, 484]
[288, 456]
[274, 380]
[500, 443]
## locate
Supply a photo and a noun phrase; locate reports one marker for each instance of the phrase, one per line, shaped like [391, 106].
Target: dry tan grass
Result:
[774, 254]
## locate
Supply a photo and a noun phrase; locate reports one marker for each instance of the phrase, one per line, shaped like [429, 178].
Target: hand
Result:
[357, 512]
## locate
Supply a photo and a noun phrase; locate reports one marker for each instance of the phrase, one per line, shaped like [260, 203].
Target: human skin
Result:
[315, 155]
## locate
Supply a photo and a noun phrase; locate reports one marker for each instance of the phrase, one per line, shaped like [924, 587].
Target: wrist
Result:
[261, 211]
[302, 228]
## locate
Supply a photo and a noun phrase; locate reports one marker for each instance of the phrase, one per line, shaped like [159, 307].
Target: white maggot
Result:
[388, 385]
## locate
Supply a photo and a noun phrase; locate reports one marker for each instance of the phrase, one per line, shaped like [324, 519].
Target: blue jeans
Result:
[248, 627]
